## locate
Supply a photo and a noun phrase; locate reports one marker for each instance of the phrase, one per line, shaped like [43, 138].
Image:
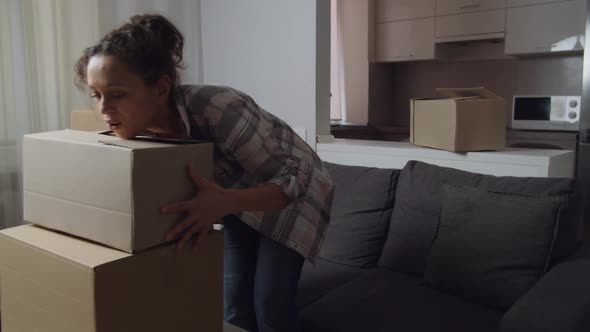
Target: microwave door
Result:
[532, 109]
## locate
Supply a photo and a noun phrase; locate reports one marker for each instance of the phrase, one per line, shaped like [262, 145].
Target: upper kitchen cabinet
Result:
[406, 40]
[461, 20]
[449, 7]
[397, 10]
[404, 30]
[516, 3]
[545, 28]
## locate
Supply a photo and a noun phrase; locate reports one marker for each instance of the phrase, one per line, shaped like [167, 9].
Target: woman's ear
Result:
[163, 87]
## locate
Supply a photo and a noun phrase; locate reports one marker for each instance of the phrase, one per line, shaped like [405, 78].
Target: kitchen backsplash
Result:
[393, 85]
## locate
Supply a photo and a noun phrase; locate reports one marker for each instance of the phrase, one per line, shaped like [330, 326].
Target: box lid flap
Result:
[133, 144]
[465, 93]
[78, 250]
[107, 138]
[144, 142]
[70, 135]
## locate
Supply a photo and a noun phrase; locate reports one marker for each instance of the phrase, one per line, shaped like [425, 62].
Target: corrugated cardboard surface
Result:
[470, 119]
[481, 125]
[107, 193]
[52, 282]
[87, 120]
[45, 278]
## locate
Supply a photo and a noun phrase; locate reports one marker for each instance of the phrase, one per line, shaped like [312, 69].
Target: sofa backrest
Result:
[360, 215]
[416, 214]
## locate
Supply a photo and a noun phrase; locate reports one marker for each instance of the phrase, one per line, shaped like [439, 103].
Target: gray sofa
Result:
[429, 248]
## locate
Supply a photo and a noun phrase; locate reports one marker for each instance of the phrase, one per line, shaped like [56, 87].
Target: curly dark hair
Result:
[149, 44]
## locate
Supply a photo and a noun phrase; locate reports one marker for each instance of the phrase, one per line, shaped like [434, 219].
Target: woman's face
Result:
[128, 105]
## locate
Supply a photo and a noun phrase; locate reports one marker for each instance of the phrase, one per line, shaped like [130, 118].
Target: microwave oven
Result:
[560, 113]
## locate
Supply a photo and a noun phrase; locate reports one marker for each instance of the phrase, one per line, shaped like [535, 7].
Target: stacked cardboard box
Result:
[106, 189]
[94, 258]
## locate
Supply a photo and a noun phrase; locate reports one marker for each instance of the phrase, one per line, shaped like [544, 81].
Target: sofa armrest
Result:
[560, 301]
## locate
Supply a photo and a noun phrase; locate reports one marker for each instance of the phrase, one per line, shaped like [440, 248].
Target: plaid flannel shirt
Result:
[252, 147]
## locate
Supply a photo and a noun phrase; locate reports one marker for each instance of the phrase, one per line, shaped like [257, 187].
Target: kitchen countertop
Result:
[371, 146]
[510, 161]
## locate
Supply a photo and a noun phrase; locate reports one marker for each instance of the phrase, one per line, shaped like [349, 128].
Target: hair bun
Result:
[164, 32]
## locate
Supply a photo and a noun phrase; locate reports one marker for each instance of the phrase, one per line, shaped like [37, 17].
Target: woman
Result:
[270, 189]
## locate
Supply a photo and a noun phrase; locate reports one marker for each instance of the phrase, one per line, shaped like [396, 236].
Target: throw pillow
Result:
[491, 247]
[416, 213]
[361, 209]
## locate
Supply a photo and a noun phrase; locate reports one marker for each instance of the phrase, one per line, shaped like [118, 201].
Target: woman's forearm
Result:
[265, 197]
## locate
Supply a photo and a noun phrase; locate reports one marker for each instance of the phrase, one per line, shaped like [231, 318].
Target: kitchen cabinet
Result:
[407, 30]
[545, 28]
[516, 3]
[471, 26]
[449, 7]
[406, 40]
[397, 10]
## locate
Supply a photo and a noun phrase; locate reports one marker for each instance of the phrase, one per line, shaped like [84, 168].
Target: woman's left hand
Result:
[208, 207]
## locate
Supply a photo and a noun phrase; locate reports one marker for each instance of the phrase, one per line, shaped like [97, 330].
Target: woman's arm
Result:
[268, 196]
[213, 202]
[247, 135]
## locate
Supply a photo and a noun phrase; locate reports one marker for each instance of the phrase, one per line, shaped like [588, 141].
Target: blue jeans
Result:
[260, 280]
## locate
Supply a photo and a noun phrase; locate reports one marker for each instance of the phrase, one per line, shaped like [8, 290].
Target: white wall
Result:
[323, 59]
[267, 48]
[355, 38]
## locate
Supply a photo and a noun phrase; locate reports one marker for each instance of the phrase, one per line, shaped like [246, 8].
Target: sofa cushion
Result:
[384, 301]
[319, 279]
[416, 214]
[361, 210]
[560, 301]
[491, 247]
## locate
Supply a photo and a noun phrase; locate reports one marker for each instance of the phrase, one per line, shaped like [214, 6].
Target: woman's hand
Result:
[208, 207]
[213, 202]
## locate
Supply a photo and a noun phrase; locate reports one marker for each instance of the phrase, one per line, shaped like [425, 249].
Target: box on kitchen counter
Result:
[468, 119]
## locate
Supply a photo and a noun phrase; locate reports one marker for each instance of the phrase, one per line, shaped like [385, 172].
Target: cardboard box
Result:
[108, 192]
[471, 119]
[87, 120]
[53, 282]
